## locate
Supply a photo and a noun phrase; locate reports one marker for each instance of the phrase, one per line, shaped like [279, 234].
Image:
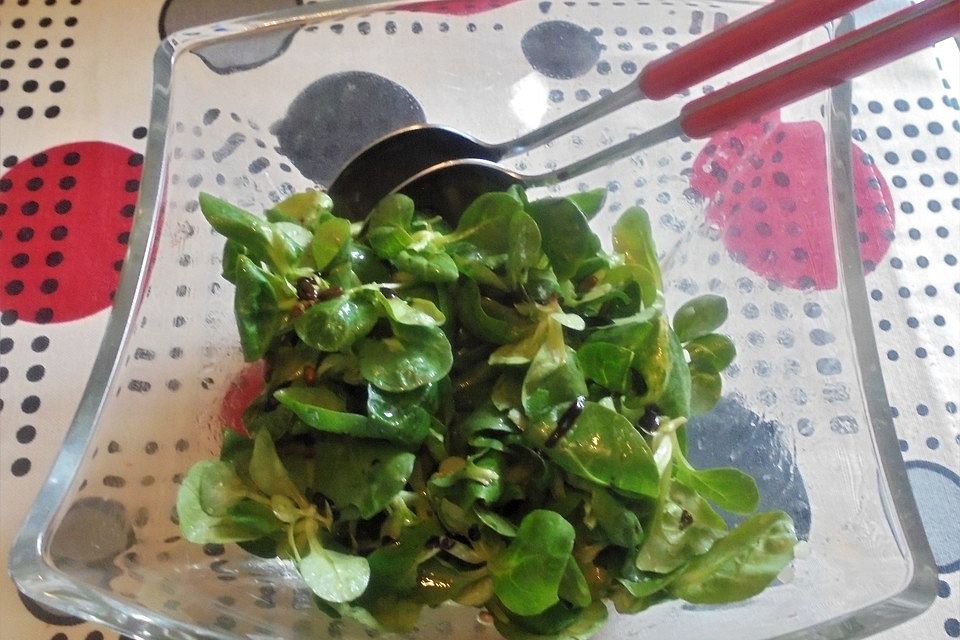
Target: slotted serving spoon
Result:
[380, 167]
[448, 187]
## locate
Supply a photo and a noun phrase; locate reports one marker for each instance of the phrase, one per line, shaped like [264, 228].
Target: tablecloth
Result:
[75, 86]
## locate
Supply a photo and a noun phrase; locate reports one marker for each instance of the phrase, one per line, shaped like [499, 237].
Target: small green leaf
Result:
[527, 576]
[554, 378]
[711, 353]
[486, 319]
[589, 202]
[220, 488]
[740, 565]
[413, 357]
[196, 525]
[427, 266]
[523, 252]
[336, 324]
[256, 305]
[496, 522]
[573, 585]
[607, 364]
[603, 447]
[633, 237]
[395, 210]
[334, 576]
[365, 474]
[485, 222]
[566, 235]
[726, 487]
[699, 316]
[329, 240]
[619, 523]
[705, 391]
[268, 472]
[305, 208]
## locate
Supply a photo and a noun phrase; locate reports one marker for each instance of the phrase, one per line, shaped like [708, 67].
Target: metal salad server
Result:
[377, 169]
[448, 187]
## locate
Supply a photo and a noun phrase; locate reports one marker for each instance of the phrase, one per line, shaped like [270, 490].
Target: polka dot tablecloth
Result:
[71, 143]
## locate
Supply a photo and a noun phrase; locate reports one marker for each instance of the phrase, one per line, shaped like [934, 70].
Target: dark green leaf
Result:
[603, 447]
[523, 252]
[395, 210]
[573, 586]
[365, 474]
[256, 304]
[436, 267]
[607, 364]
[527, 575]
[705, 390]
[554, 378]
[412, 357]
[485, 221]
[268, 472]
[566, 236]
[486, 319]
[699, 316]
[336, 324]
[620, 524]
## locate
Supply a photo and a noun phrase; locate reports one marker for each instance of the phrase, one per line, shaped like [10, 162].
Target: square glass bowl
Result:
[768, 215]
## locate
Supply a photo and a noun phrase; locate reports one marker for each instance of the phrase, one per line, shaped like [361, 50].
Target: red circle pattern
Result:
[65, 217]
[767, 186]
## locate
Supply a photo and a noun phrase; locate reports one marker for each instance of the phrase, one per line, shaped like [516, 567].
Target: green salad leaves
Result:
[490, 414]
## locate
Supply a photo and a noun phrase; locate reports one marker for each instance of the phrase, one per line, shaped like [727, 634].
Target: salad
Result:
[491, 414]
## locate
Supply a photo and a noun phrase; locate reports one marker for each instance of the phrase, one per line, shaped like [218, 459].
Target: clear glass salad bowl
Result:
[767, 215]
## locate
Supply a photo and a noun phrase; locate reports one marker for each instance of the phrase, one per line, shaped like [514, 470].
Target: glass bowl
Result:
[771, 215]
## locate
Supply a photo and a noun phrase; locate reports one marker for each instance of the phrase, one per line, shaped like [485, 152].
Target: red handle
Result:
[857, 52]
[740, 40]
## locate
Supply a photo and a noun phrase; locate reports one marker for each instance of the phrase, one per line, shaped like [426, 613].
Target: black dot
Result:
[52, 111]
[6, 63]
[35, 63]
[43, 315]
[62, 63]
[140, 132]
[39, 160]
[20, 260]
[124, 237]
[45, 22]
[127, 211]
[67, 182]
[8, 317]
[135, 159]
[4, 374]
[20, 467]
[29, 207]
[6, 345]
[66, 43]
[40, 44]
[35, 373]
[63, 206]
[18, 23]
[4, 83]
[34, 183]
[25, 234]
[54, 258]
[24, 112]
[5, 184]
[9, 161]
[13, 44]
[40, 344]
[71, 21]
[59, 232]
[14, 287]
[49, 285]
[26, 434]
[57, 86]
[71, 158]
[131, 186]
[118, 265]
[30, 404]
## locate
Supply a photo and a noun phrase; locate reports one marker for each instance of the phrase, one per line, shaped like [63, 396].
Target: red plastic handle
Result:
[857, 52]
[737, 41]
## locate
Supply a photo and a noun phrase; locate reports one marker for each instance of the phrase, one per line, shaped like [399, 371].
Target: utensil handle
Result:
[895, 36]
[737, 41]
